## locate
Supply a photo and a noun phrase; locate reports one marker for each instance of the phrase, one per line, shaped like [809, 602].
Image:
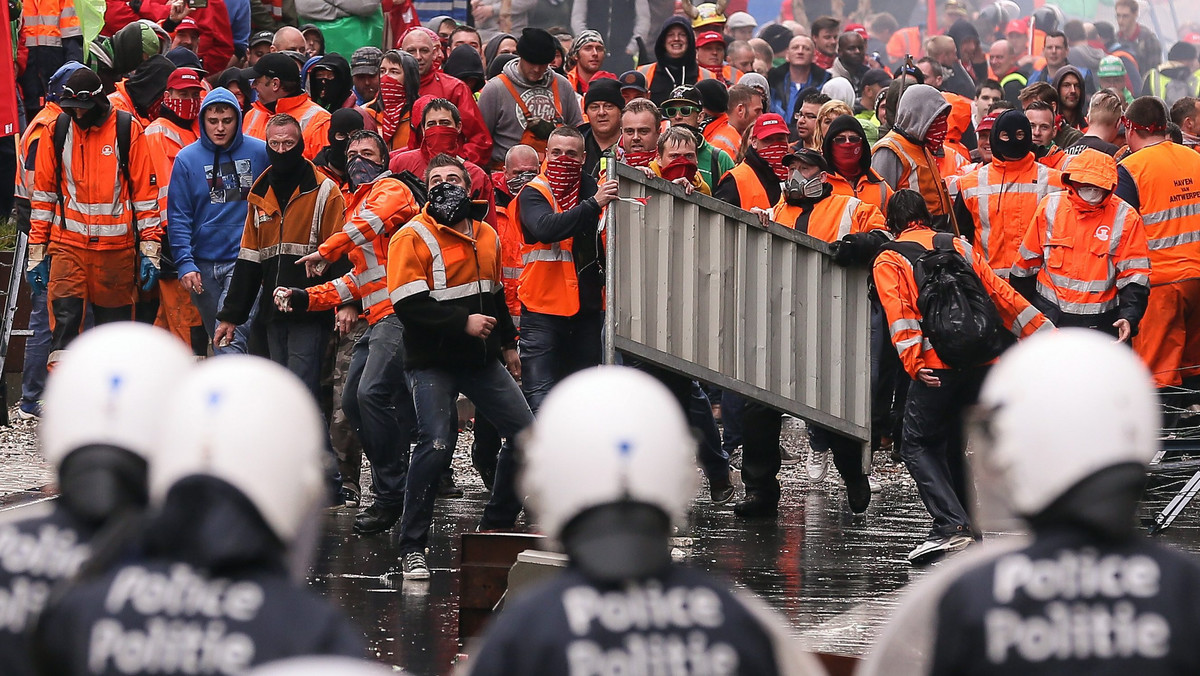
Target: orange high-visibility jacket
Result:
[511, 242]
[722, 135]
[548, 283]
[165, 139]
[1168, 184]
[651, 68]
[383, 208]
[47, 22]
[314, 121]
[427, 257]
[120, 100]
[1055, 159]
[385, 200]
[832, 218]
[750, 189]
[869, 188]
[898, 294]
[95, 211]
[33, 133]
[1002, 197]
[920, 172]
[1082, 255]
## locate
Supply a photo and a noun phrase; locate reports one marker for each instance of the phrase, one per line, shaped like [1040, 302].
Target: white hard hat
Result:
[251, 423]
[605, 435]
[1061, 406]
[109, 389]
[322, 665]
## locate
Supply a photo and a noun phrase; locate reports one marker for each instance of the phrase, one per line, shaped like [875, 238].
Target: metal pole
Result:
[610, 258]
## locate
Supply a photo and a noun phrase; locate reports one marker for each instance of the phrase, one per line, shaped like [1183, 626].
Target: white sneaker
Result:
[935, 548]
[817, 464]
[414, 566]
[876, 487]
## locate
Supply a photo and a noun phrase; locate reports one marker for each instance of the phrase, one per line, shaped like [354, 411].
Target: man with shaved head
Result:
[1002, 59]
[851, 59]
[288, 39]
[797, 73]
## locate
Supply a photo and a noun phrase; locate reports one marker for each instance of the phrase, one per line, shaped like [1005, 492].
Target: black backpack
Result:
[958, 316]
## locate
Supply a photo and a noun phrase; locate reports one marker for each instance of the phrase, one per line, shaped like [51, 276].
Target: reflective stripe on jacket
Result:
[920, 172]
[1002, 197]
[313, 119]
[548, 283]
[832, 218]
[1168, 187]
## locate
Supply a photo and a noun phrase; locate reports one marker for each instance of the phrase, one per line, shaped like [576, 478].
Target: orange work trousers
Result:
[1168, 339]
[176, 312]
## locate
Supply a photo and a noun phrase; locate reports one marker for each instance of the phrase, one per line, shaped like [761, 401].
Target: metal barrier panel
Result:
[699, 287]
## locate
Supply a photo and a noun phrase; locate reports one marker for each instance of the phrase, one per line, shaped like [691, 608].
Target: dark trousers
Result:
[377, 403]
[760, 450]
[889, 382]
[553, 348]
[37, 351]
[933, 446]
[714, 461]
[733, 406]
[435, 393]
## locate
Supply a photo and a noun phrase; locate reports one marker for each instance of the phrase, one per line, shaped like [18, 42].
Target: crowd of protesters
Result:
[418, 218]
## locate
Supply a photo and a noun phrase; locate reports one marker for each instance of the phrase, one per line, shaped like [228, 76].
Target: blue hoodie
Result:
[205, 217]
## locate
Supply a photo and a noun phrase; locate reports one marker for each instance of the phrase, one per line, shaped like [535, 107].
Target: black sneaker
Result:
[858, 494]
[448, 489]
[351, 496]
[414, 566]
[755, 506]
[376, 519]
[720, 491]
[938, 547]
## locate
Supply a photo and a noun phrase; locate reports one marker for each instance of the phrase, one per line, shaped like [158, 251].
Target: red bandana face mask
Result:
[680, 167]
[936, 136]
[440, 140]
[773, 154]
[391, 95]
[640, 158]
[187, 109]
[847, 157]
[564, 175]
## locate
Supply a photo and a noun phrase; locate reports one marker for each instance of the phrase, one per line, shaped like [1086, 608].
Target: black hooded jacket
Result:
[464, 63]
[333, 95]
[849, 123]
[492, 49]
[670, 73]
[148, 83]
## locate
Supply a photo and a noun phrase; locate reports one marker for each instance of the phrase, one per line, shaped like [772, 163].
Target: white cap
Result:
[741, 20]
[604, 435]
[110, 388]
[251, 423]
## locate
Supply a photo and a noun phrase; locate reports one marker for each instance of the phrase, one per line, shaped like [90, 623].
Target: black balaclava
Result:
[96, 115]
[345, 121]
[287, 170]
[1013, 122]
[148, 83]
[331, 94]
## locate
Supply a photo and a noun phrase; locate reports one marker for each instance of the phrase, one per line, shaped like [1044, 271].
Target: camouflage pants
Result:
[341, 432]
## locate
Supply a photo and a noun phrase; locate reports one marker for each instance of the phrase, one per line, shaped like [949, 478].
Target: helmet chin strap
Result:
[619, 541]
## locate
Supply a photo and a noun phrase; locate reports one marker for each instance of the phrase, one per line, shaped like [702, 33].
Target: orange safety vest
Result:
[728, 75]
[47, 22]
[1055, 159]
[722, 135]
[1082, 258]
[429, 257]
[832, 218]
[314, 121]
[870, 189]
[751, 192]
[905, 42]
[893, 275]
[511, 242]
[95, 209]
[1167, 175]
[528, 137]
[548, 283]
[121, 100]
[920, 172]
[1003, 197]
[384, 203]
[651, 68]
[165, 139]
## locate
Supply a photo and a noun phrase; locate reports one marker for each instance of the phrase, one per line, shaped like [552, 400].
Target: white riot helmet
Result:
[251, 423]
[323, 666]
[608, 435]
[109, 389]
[1060, 407]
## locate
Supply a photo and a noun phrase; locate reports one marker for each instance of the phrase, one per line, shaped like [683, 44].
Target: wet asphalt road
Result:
[834, 576]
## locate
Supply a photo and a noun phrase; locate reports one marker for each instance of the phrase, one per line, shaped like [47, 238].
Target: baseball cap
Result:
[769, 124]
[184, 78]
[988, 121]
[876, 76]
[632, 79]
[275, 64]
[741, 20]
[1192, 37]
[187, 24]
[683, 96]
[262, 37]
[708, 38]
[1111, 66]
[309, 27]
[857, 28]
[366, 61]
[1016, 26]
[81, 90]
[807, 156]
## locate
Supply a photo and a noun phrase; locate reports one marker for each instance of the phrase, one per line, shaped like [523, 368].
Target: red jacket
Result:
[481, 182]
[478, 146]
[118, 14]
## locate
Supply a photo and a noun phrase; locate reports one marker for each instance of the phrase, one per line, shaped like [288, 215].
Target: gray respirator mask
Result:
[796, 187]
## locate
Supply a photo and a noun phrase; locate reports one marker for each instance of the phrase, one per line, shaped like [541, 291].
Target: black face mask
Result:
[1014, 124]
[337, 154]
[95, 116]
[286, 169]
[449, 203]
[360, 171]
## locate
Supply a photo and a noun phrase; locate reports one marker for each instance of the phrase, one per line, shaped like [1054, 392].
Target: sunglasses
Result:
[672, 111]
[847, 139]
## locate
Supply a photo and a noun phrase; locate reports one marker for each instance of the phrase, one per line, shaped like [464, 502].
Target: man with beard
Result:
[588, 51]
[424, 45]
[94, 221]
[1071, 85]
[675, 60]
[528, 100]
[603, 104]
[329, 82]
[441, 131]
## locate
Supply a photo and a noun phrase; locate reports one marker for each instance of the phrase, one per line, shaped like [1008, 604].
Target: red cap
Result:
[187, 24]
[988, 121]
[184, 78]
[1017, 26]
[857, 28]
[709, 37]
[1192, 37]
[769, 124]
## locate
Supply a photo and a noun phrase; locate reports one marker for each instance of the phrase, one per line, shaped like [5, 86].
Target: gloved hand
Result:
[148, 264]
[37, 269]
[857, 248]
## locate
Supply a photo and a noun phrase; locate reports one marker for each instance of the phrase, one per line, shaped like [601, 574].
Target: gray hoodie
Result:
[919, 105]
[506, 118]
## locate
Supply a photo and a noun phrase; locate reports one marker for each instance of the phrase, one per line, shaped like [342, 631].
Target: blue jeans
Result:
[37, 350]
[216, 276]
[435, 393]
[554, 347]
[377, 403]
[299, 346]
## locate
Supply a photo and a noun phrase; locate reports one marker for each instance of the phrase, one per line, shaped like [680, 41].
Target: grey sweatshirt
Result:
[505, 117]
